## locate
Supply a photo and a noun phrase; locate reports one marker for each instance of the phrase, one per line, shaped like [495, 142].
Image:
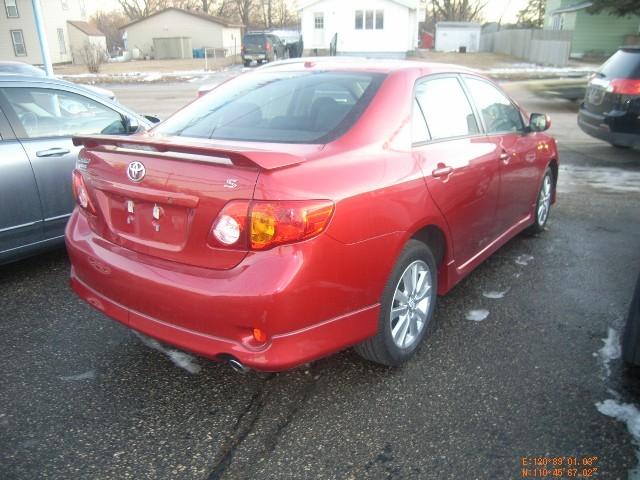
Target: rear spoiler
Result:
[187, 150]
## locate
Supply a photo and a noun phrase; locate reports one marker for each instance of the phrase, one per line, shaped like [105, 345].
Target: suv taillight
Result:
[267, 46]
[261, 225]
[625, 86]
[81, 193]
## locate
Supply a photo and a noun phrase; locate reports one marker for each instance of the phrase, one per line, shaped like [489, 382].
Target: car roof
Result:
[343, 63]
[13, 77]
[24, 80]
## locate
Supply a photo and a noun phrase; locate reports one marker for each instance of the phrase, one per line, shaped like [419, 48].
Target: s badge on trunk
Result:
[136, 171]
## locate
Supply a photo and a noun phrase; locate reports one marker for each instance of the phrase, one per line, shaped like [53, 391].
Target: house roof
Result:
[86, 28]
[573, 8]
[412, 4]
[225, 22]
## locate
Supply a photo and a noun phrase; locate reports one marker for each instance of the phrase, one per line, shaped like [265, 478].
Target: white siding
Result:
[399, 35]
[77, 39]
[450, 39]
[172, 23]
[54, 17]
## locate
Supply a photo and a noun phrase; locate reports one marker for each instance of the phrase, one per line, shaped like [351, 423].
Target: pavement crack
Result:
[271, 442]
[245, 422]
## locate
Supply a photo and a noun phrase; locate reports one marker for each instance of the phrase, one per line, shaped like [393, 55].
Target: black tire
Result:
[247, 63]
[539, 223]
[621, 147]
[382, 348]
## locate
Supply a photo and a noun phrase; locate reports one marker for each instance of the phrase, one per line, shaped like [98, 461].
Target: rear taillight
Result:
[625, 86]
[267, 46]
[81, 193]
[261, 225]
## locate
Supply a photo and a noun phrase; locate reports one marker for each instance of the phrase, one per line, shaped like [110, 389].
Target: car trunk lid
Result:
[161, 199]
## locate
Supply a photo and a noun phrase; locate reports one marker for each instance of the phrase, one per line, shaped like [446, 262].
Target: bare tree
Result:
[244, 8]
[135, 9]
[458, 10]
[109, 23]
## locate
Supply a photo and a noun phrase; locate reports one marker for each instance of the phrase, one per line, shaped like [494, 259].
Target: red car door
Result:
[515, 149]
[458, 161]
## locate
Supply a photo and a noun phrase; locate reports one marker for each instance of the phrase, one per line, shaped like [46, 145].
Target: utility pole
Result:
[42, 37]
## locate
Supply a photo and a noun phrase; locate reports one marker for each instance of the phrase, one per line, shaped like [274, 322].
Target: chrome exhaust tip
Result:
[237, 366]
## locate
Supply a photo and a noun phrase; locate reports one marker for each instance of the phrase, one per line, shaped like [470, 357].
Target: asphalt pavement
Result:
[83, 397]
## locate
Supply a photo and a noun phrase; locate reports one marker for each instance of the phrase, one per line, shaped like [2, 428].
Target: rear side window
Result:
[624, 63]
[43, 112]
[498, 113]
[446, 108]
[288, 107]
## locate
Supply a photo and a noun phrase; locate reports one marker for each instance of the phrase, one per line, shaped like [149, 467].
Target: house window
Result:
[359, 21]
[61, 44]
[379, 19]
[11, 8]
[318, 20]
[65, 4]
[368, 19]
[18, 43]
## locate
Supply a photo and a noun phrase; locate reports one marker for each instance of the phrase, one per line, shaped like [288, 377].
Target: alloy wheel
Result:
[410, 305]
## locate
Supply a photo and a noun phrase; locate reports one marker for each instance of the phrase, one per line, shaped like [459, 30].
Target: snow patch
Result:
[477, 315]
[180, 359]
[90, 375]
[494, 294]
[524, 259]
[610, 350]
[630, 415]
[607, 179]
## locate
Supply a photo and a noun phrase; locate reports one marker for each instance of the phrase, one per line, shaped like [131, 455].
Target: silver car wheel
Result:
[544, 200]
[410, 305]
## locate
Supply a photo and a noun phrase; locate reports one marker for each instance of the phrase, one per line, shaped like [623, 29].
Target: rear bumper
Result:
[615, 128]
[212, 313]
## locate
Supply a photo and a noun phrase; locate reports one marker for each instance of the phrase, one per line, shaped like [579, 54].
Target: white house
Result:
[18, 36]
[379, 28]
[175, 24]
[452, 36]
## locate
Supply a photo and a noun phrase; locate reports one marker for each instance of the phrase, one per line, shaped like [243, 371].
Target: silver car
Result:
[38, 117]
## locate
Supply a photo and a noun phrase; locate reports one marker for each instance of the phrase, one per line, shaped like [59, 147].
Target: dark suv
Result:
[262, 47]
[611, 107]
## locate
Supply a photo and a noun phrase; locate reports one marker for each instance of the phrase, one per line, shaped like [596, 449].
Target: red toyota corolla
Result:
[306, 207]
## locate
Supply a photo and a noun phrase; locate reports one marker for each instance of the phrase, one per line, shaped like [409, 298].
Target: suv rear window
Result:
[254, 40]
[625, 63]
[287, 107]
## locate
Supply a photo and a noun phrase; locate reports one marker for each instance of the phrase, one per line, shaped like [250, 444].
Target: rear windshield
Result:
[253, 40]
[288, 107]
[624, 63]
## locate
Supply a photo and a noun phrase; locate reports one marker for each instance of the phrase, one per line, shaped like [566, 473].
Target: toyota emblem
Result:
[136, 171]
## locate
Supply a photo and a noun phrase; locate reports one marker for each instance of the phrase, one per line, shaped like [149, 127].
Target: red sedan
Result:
[307, 207]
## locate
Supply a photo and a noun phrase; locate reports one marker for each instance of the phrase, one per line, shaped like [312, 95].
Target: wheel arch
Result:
[434, 238]
[553, 165]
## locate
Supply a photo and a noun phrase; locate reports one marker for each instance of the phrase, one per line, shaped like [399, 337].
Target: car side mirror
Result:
[152, 119]
[131, 125]
[539, 122]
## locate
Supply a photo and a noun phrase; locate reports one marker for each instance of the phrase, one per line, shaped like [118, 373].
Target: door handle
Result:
[52, 152]
[442, 171]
